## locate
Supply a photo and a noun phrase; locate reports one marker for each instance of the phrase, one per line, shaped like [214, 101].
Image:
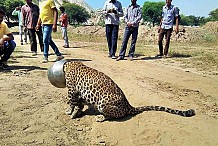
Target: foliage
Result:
[35, 2]
[192, 20]
[214, 15]
[76, 14]
[101, 21]
[9, 6]
[151, 11]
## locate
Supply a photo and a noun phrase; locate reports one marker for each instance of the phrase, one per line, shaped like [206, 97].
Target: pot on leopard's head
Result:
[56, 74]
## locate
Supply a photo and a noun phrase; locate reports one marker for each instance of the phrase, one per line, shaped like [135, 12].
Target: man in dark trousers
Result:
[30, 12]
[169, 14]
[112, 11]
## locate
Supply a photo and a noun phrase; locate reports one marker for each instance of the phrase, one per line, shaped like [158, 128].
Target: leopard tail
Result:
[187, 113]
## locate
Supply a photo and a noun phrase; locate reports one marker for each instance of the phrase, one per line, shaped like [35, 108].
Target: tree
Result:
[213, 15]
[8, 6]
[184, 20]
[192, 20]
[151, 11]
[77, 14]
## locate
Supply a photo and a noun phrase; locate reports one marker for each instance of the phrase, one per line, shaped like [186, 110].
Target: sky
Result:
[187, 7]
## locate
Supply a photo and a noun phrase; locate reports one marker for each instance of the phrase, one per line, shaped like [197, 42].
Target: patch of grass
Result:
[209, 37]
[202, 54]
[208, 58]
[146, 50]
[79, 37]
[180, 54]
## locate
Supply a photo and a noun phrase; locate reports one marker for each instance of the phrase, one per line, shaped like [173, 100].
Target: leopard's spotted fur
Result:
[87, 86]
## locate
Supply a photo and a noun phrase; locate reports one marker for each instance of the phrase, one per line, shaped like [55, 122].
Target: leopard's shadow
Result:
[91, 111]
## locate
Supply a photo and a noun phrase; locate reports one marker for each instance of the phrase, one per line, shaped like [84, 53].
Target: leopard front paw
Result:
[100, 118]
[69, 111]
[76, 112]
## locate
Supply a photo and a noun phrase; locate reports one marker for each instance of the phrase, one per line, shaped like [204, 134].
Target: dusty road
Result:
[32, 110]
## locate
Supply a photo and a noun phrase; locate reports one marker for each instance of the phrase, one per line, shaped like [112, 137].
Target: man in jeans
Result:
[7, 45]
[132, 18]
[169, 13]
[30, 15]
[17, 11]
[112, 10]
[48, 18]
[64, 22]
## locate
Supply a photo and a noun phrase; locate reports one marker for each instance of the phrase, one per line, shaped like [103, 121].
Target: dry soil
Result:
[32, 110]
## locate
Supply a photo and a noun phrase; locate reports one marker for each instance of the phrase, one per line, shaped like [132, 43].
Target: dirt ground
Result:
[32, 110]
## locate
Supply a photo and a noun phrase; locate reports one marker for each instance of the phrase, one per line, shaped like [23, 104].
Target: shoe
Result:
[4, 66]
[66, 46]
[119, 58]
[34, 53]
[45, 60]
[59, 58]
[21, 43]
[166, 56]
[159, 55]
[113, 57]
[130, 58]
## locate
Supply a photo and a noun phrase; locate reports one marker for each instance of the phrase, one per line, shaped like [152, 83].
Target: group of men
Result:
[36, 21]
[113, 11]
[42, 21]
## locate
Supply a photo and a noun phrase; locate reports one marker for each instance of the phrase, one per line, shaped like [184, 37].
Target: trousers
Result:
[7, 50]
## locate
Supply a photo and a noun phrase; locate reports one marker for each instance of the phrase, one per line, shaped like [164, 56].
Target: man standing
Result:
[169, 13]
[132, 18]
[64, 22]
[7, 45]
[112, 10]
[30, 15]
[48, 18]
[17, 11]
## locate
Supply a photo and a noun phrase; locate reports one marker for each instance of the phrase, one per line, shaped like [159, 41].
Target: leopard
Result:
[88, 86]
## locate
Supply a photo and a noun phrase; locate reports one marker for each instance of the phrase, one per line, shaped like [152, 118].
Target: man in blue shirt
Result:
[132, 18]
[169, 14]
[113, 11]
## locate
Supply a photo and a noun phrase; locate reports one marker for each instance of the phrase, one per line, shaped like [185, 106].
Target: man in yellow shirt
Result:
[48, 18]
[7, 44]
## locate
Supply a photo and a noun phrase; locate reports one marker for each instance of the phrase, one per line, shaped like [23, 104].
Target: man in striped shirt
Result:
[30, 15]
[132, 18]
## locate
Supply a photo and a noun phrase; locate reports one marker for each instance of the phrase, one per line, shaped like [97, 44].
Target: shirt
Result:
[30, 15]
[169, 15]
[133, 15]
[19, 15]
[4, 30]
[111, 18]
[46, 12]
[63, 19]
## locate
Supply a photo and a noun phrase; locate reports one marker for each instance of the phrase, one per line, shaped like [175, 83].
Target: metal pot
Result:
[56, 74]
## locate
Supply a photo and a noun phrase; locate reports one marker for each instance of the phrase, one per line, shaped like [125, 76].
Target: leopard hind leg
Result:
[111, 112]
